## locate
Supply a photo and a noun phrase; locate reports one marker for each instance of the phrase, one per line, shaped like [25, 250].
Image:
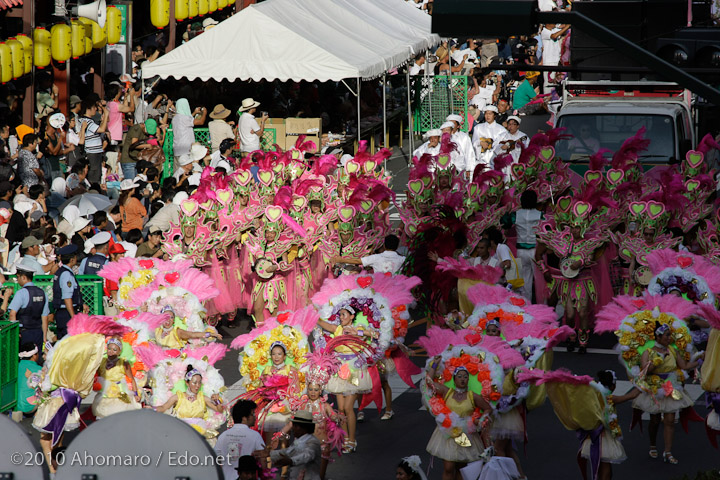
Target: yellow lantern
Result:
[222, 4]
[113, 25]
[213, 5]
[203, 7]
[94, 35]
[6, 69]
[41, 48]
[193, 8]
[18, 57]
[160, 13]
[27, 45]
[61, 44]
[181, 10]
[78, 39]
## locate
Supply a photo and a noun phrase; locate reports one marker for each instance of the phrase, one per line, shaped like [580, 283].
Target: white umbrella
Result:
[88, 203]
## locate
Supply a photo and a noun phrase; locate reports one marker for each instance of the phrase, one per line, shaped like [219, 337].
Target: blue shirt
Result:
[68, 284]
[22, 299]
[31, 262]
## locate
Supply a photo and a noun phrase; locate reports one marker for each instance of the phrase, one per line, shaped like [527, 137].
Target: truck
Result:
[603, 114]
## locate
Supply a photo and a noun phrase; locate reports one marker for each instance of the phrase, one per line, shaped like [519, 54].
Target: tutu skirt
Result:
[611, 449]
[47, 411]
[665, 404]
[359, 383]
[104, 407]
[508, 425]
[444, 447]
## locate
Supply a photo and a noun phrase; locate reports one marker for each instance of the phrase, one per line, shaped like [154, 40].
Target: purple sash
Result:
[595, 448]
[71, 401]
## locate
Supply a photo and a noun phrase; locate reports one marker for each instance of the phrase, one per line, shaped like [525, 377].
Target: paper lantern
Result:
[27, 45]
[18, 57]
[78, 39]
[222, 4]
[94, 33]
[181, 10]
[193, 8]
[213, 5]
[6, 70]
[160, 13]
[113, 25]
[203, 7]
[41, 47]
[61, 42]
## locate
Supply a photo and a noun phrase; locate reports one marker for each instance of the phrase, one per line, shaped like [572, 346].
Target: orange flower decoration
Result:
[447, 423]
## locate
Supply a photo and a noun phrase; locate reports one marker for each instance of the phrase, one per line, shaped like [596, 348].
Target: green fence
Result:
[9, 343]
[436, 97]
[91, 289]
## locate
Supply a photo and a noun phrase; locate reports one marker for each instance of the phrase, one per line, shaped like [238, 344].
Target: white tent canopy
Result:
[303, 40]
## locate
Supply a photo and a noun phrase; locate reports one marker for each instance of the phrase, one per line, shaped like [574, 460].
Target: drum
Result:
[642, 275]
[566, 269]
[261, 268]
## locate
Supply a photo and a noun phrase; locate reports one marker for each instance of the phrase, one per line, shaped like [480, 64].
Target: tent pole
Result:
[385, 132]
[409, 108]
[358, 111]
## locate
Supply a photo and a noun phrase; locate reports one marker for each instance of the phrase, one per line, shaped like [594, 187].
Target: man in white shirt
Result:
[489, 129]
[219, 158]
[551, 36]
[249, 130]
[431, 146]
[303, 457]
[239, 440]
[416, 68]
[457, 156]
[463, 142]
[389, 261]
[511, 141]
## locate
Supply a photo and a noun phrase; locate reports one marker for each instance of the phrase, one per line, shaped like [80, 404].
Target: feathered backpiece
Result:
[150, 354]
[692, 276]
[612, 315]
[461, 268]
[488, 294]
[82, 323]
[438, 339]
[631, 148]
[320, 366]
[303, 320]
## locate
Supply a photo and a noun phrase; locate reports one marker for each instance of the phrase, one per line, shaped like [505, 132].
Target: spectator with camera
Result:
[249, 130]
[93, 136]
[183, 124]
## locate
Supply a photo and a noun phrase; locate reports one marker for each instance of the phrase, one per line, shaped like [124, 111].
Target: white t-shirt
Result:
[183, 134]
[217, 160]
[415, 69]
[236, 442]
[551, 48]
[385, 262]
[130, 249]
[249, 142]
[502, 253]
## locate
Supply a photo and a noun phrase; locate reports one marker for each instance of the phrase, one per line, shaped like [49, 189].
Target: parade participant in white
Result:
[463, 142]
[489, 129]
[431, 146]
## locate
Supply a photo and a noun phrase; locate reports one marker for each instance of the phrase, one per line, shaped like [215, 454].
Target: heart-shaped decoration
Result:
[638, 302]
[694, 158]
[365, 281]
[427, 181]
[278, 168]
[299, 203]
[564, 203]
[684, 261]
[655, 209]
[615, 176]
[224, 196]
[283, 317]
[146, 263]
[580, 209]
[637, 208]
[642, 259]
[518, 170]
[207, 205]
[366, 206]
[517, 301]
[387, 274]
[189, 207]
[410, 229]
[172, 353]
[592, 176]
[295, 154]
[473, 189]
[128, 314]
[172, 277]
[273, 213]
[532, 160]
[547, 154]
[352, 167]
[243, 177]
[627, 252]
[346, 213]
[369, 166]
[416, 186]
[691, 185]
[265, 177]
[443, 161]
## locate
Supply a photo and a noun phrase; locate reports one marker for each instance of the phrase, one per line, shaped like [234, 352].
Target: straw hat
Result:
[247, 104]
[220, 111]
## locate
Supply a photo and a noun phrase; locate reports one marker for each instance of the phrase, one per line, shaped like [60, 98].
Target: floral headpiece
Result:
[280, 344]
[115, 341]
[662, 329]
[189, 375]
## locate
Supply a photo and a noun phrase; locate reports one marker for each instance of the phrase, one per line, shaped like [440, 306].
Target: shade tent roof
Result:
[302, 40]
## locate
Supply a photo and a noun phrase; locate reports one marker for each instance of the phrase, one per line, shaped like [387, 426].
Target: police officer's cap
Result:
[68, 249]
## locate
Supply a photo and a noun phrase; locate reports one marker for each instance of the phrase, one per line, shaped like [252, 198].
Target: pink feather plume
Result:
[82, 323]
[294, 226]
[150, 354]
[211, 353]
[561, 375]
[482, 294]
[437, 339]
[707, 143]
[508, 356]
[461, 268]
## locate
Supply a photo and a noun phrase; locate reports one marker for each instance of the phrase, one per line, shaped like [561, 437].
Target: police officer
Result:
[29, 307]
[94, 263]
[67, 300]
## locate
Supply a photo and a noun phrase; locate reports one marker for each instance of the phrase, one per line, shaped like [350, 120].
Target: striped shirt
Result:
[93, 139]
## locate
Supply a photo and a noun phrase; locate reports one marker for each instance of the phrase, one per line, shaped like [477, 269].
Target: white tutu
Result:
[508, 425]
[646, 403]
[46, 412]
[359, 383]
[611, 449]
[104, 407]
[444, 447]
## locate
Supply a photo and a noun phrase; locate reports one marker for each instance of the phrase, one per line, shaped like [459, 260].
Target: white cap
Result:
[435, 132]
[209, 22]
[127, 184]
[455, 117]
[198, 152]
[179, 198]
[89, 245]
[23, 207]
[447, 125]
[514, 117]
[100, 238]
[80, 223]
[185, 159]
[490, 108]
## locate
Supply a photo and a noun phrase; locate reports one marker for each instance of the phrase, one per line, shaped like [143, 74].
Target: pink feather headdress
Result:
[82, 323]
[561, 375]
[659, 260]
[210, 353]
[461, 268]
[611, 315]
[303, 320]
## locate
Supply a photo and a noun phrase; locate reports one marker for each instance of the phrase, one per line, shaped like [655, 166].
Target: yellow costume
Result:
[661, 402]
[115, 395]
[445, 447]
[171, 340]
